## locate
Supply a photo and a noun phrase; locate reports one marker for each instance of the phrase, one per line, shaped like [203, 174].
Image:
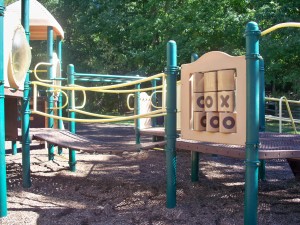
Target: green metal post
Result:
[194, 155]
[3, 186]
[262, 123]
[170, 123]
[59, 102]
[25, 107]
[14, 147]
[72, 124]
[138, 111]
[50, 90]
[252, 123]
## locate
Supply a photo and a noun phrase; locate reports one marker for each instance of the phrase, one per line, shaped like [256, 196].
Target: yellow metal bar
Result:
[35, 70]
[38, 71]
[150, 114]
[93, 114]
[290, 114]
[128, 98]
[81, 88]
[277, 100]
[154, 106]
[288, 108]
[67, 100]
[281, 25]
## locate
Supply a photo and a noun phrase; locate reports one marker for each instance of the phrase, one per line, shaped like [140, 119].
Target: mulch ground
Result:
[130, 188]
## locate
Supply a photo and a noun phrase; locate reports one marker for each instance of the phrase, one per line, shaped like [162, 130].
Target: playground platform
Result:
[66, 139]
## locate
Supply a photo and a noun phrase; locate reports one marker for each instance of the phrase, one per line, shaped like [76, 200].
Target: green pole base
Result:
[72, 160]
[51, 152]
[195, 167]
[14, 147]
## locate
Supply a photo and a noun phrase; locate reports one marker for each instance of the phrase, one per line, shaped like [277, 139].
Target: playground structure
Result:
[249, 78]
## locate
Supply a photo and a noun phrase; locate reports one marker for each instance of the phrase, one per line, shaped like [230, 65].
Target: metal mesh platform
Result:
[272, 146]
[66, 139]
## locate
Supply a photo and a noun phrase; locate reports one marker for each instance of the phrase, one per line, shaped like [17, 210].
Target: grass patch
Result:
[273, 126]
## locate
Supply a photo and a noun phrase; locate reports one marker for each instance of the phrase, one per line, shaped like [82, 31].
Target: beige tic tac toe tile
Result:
[212, 122]
[198, 82]
[210, 81]
[210, 101]
[226, 80]
[226, 101]
[227, 122]
[199, 121]
[198, 102]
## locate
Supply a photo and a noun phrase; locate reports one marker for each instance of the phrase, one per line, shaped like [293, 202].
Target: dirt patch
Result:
[130, 188]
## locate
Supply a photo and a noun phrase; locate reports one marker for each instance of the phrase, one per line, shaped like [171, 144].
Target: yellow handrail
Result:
[67, 100]
[35, 70]
[155, 113]
[278, 26]
[154, 106]
[290, 114]
[128, 105]
[80, 88]
[288, 108]
[92, 114]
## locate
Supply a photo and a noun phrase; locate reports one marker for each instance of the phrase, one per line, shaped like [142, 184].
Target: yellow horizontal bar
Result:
[150, 114]
[39, 71]
[80, 88]
[278, 99]
[281, 25]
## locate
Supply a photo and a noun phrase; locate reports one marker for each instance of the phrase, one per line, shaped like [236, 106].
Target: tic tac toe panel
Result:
[214, 89]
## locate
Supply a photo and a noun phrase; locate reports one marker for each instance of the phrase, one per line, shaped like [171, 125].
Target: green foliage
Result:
[121, 37]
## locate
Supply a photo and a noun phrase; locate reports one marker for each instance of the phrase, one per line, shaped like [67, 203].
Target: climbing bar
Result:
[67, 99]
[151, 97]
[81, 88]
[150, 114]
[280, 25]
[92, 114]
[108, 116]
[73, 97]
[36, 70]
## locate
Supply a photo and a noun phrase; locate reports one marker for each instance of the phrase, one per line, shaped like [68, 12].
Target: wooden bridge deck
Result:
[66, 139]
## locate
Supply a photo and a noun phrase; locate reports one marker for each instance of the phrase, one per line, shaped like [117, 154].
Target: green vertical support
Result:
[194, 155]
[59, 102]
[252, 123]
[262, 123]
[50, 98]
[25, 106]
[137, 104]
[72, 124]
[170, 123]
[14, 147]
[3, 186]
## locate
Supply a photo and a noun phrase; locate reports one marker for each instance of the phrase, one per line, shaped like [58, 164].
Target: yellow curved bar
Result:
[278, 26]
[128, 105]
[150, 114]
[154, 106]
[84, 97]
[80, 88]
[67, 100]
[92, 114]
[290, 114]
[35, 70]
